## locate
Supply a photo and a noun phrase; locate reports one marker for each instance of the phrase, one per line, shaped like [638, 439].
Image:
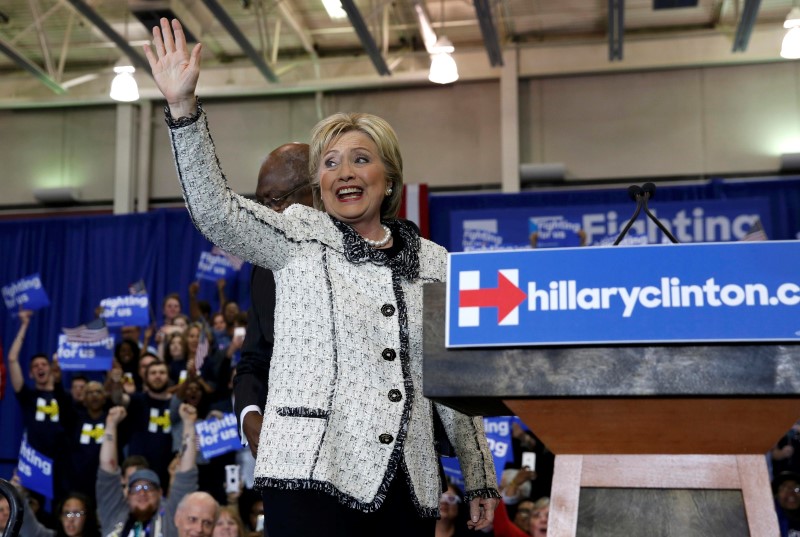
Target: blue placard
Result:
[717, 292]
[691, 222]
[35, 471]
[27, 294]
[126, 310]
[96, 356]
[218, 436]
[452, 471]
[498, 436]
[213, 267]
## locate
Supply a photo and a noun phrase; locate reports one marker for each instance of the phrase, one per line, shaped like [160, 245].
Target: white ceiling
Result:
[72, 57]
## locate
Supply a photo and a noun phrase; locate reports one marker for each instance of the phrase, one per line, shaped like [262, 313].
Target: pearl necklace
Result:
[382, 242]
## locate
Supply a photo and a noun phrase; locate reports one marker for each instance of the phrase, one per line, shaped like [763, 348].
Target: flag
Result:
[756, 233]
[138, 288]
[235, 262]
[87, 333]
[202, 351]
[414, 207]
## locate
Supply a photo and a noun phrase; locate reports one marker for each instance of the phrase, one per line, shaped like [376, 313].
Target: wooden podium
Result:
[649, 440]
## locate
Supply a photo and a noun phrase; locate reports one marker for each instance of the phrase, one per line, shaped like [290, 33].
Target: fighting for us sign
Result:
[713, 292]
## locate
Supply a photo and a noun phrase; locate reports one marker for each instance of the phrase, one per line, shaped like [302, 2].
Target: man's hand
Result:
[481, 513]
[55, 368]
[252, 430]
[194, 288]
[188, 414]
[25, 317]
[115, 415]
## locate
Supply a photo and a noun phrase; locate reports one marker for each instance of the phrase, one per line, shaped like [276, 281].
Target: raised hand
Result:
[175, 71]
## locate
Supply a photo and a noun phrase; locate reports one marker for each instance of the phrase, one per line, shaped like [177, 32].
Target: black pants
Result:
[308, 513]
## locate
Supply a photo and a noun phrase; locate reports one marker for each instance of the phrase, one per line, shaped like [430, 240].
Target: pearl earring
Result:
[389, 191]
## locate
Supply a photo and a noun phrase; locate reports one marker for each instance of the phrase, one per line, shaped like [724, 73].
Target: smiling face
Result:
[157, 377]
[144, 498]
[352, 181]
[226, 525]
[538, 521]
[40, 371]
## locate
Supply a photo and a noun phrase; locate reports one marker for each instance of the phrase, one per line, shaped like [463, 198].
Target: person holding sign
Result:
[346, 432]
[41, 405]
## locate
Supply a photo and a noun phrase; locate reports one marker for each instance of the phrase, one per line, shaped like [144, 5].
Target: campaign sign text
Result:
[559, 227]
[35, 470]
[213, 267]
[96, 356]
[126, 310]
[27, 294]
[218, 436]
[712, 292]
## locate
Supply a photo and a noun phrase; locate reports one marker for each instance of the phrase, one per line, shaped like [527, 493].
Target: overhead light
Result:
[124, 87]
[443, 67]
[334, 9]
[57, 196]
[790, 48]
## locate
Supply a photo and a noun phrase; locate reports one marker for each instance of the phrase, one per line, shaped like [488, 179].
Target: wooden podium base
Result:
[737, 482]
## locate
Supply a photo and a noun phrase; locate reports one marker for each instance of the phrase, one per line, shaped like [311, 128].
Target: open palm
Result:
[175, 70]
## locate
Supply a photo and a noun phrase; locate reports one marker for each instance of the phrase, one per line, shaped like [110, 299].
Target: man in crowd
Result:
[42, 404]
[143, 512]
[196, 515]
[282, 180]
[86, 428]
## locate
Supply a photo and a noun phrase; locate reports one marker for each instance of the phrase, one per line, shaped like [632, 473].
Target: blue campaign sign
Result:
[498, 436]
[95, 356]
[126, 310]
[213, 267]
[713, 292]
[35, 470]
[552, 227]
[218, 436]
[27, 293]
[452, 471]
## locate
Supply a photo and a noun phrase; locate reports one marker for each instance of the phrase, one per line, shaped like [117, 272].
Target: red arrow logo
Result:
[505, 297]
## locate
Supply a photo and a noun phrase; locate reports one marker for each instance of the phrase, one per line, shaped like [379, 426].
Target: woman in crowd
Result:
[346, 430]
[176, 353]
[229, 524]
[451, 514]
[76, 518]
[539, 517]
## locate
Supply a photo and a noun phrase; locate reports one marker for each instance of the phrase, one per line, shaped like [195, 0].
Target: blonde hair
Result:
[380, 132]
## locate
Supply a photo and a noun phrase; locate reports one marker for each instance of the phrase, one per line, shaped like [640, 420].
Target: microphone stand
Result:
[649, 190]
[636, 193]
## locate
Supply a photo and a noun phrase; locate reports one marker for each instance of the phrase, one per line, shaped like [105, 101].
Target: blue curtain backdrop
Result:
[82, 260]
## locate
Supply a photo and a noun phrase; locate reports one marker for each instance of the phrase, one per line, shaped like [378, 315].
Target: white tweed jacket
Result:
[345, 406]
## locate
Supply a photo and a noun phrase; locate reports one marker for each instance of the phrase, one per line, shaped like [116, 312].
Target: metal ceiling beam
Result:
[17, 57]
[287, 10]
[367, 41]
[745, 26]
[136, 59]
[490, 39]
[227, 22]
[616, 29]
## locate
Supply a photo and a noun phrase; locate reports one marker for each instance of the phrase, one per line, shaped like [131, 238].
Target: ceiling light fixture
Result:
[790, 49]
[124, 87]
[334, 9]
[443, 67]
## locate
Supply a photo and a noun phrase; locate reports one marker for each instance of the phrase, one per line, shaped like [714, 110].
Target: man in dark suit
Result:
[282, 180]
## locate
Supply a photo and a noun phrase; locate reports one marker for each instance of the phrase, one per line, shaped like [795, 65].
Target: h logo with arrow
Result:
[506, 297]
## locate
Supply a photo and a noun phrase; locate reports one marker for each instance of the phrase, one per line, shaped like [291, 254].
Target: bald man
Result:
[196, 515]
[282, 180]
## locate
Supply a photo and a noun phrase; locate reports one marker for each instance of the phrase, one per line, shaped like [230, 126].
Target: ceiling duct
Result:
[150, 12]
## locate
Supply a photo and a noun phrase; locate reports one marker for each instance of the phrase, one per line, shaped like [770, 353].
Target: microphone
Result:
[649, 192]
[636, 193]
